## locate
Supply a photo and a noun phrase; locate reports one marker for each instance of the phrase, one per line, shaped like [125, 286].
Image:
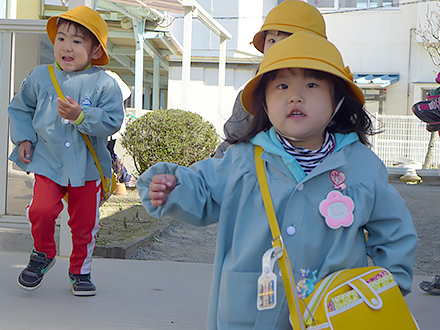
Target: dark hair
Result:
[351, 116]
[86, 32]
[279, 32]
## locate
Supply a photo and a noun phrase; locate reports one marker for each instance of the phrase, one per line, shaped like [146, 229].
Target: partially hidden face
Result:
[272, 37]
[72, 49]
[299, 106]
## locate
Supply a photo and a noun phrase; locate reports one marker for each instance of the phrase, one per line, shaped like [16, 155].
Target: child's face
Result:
[299, 106]
[73, 50]
[272, 37]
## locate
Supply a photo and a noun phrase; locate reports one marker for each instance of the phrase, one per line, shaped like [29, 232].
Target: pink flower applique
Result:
[337, 210]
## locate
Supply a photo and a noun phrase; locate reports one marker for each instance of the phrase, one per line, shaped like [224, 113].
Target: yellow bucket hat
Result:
[88, 18]
[302, 50]
[291, 16]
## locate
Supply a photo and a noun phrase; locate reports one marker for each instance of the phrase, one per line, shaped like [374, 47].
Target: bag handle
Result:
[86, 138]
[286, 270]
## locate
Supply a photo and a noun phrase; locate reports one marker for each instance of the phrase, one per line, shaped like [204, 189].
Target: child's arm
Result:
[160, 187]
[104, 116]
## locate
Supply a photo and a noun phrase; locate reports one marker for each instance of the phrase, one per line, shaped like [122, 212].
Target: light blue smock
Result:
[59, 152]
[226, 190]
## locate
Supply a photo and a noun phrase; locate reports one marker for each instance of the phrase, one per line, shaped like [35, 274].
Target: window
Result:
[353, 4]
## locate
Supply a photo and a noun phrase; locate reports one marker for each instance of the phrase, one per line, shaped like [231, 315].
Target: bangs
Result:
[79, 30]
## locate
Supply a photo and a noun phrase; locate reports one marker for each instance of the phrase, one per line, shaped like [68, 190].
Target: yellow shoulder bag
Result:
[359, 298]
[108, 184]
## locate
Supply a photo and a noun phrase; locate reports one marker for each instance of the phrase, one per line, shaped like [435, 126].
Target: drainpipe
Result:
[409, 71]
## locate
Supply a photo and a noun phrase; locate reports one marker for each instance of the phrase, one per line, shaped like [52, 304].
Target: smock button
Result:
[291, 230]
[67, 144]
[66, 121]
[300, 187]
[68, 76]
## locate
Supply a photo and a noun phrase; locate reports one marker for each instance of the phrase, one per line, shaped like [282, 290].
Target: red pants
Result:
[83, 209]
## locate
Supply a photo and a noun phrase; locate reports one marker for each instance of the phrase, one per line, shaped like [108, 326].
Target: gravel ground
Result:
[181, 242]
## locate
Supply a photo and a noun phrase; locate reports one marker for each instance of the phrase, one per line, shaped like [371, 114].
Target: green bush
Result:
[174, 136]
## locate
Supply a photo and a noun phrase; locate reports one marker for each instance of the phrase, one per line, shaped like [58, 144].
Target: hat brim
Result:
[303, 63]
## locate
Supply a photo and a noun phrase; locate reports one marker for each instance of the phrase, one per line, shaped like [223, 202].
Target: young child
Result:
[309, 120]
[288, 17]
[429, 111]
[46, 132]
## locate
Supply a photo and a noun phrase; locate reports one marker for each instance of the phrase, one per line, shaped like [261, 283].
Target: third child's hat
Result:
[291, 16]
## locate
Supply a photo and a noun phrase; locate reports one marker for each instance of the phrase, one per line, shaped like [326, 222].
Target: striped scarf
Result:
[309, 159]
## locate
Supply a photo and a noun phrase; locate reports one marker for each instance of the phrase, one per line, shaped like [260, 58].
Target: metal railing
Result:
[402, 137]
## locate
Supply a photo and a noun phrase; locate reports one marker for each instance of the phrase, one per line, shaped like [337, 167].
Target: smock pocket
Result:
[237, 304]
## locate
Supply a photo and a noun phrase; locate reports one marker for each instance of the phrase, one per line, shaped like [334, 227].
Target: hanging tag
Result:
[267, 282]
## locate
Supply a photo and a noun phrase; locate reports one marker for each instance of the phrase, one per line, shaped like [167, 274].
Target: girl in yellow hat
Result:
[47, 134]
[289, 17]
[327, 186]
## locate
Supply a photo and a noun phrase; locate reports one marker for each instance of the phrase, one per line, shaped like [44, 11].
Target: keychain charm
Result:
[267, 282]
[338, 179]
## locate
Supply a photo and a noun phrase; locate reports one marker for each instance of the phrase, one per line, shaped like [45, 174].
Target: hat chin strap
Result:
[292, 138]
[96, 50]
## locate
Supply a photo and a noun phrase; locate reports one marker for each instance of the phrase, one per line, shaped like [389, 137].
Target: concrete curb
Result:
[123, 252]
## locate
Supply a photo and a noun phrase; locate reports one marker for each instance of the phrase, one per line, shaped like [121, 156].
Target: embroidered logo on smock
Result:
[87, 102]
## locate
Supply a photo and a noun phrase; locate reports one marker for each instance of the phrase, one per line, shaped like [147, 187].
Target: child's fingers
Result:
[162, 181]
[24, 152]
[157, 186]
[157, 198]
[160, 187]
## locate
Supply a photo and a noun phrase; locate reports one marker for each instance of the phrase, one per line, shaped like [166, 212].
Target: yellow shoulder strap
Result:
[283, 261]
[86, 138]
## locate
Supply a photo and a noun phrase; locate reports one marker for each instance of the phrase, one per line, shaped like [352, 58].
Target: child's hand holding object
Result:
[160, 188]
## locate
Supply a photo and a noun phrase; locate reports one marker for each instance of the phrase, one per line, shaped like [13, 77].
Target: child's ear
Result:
[97, 52]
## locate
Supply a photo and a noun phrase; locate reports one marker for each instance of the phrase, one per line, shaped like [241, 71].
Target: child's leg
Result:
[42, 212]
[84, 223]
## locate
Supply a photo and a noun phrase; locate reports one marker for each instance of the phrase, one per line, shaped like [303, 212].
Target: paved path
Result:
[132, 294]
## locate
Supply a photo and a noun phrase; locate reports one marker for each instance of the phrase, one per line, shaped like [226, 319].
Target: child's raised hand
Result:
[24, 152]
[68, 110]
[160, 187]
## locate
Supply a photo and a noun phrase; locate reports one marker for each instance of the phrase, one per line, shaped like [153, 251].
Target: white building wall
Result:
[204, 94]
[376, 41]
[384, 41]
[250, 20]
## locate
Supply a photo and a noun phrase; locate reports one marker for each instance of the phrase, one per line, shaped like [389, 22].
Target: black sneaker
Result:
[432, 287]
[32, 276]
[82, 285]
[432, 128]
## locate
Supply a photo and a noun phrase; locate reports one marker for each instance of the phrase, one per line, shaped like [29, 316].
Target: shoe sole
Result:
[32, 288]
[81, 293]
[436, 292]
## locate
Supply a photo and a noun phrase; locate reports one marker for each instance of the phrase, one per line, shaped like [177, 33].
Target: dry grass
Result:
[125, 221]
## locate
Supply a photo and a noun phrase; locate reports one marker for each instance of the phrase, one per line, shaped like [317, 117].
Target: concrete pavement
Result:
[132, 294]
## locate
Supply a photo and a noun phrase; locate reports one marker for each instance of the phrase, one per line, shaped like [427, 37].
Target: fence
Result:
[402, 137]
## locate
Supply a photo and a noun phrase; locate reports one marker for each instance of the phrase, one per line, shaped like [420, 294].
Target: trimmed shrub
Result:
[174, 136]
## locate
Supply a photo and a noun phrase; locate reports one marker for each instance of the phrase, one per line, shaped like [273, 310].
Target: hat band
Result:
[345, 72]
